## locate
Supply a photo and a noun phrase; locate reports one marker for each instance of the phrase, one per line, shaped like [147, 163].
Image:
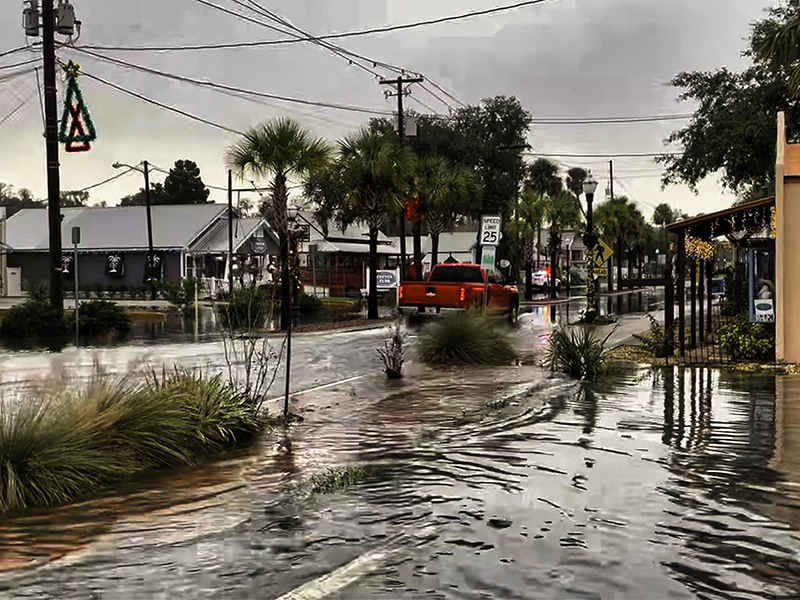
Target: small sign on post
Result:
[76, 239]
[490, 230]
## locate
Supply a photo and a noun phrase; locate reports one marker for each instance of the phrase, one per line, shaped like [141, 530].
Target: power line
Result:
[610, 120]
[219, 86]
[16, 109]
[20, 64]
[13, 51]
[161, 105]
[612, 155]
[331, 36]
[105, 181]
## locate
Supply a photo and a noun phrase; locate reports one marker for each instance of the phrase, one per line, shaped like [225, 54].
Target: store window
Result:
[761, 268]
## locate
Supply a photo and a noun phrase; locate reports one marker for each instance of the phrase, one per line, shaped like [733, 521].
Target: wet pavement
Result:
[488, 483]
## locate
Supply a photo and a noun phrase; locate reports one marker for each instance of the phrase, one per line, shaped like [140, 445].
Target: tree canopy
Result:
[733, 129]
[183, 185]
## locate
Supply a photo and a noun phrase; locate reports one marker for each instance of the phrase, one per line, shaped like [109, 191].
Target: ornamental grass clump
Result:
[68, 442]
[467, 339]
[577, 352]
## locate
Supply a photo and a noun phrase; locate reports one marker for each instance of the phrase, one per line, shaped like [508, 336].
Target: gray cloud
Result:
[569, 58]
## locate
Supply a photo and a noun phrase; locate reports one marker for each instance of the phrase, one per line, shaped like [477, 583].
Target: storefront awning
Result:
[355, 248]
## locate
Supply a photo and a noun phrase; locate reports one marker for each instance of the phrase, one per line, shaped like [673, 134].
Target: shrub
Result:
[98, 317]
[467, 339]
[70, 442]
[33, 319]
[659, 341]
[247, 310]
[39, 293]
[576, 277]
[392, 355]
[309, 304]
[744, 340]
[736, 291]
[181, 296]
[577, 352]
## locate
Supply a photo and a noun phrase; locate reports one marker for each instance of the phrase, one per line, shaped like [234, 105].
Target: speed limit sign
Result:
[490, 230]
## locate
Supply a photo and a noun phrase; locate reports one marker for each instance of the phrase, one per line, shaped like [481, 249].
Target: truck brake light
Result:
[401, 292]
[463, 294]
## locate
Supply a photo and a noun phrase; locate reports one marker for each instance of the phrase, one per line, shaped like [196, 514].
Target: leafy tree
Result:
[620, 220]
[733, 129]
[561, 212]
[184, 185]
[138, 199]
[544, 178]
[74, 198]
[279, 150]
[574, 183]
[664, 215]
[526, 227]
[16, 201]
[374, 169]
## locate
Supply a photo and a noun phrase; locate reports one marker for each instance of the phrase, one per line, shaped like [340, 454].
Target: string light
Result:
[700, 249]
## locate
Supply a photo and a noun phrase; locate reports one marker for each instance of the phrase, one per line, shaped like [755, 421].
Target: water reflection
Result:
[679, 483]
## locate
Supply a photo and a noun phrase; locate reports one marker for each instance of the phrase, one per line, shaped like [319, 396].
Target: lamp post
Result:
[145, 170]
[590, 241]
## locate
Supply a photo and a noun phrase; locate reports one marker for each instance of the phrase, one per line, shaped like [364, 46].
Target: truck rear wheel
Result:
[513, 315]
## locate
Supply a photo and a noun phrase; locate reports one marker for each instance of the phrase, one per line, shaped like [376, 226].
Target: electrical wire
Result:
[609, 120]
[105, 181]
[20, 64]
[612, 155]
[219, 86]
[39, 89]
[16, 109]
[161, 105]
[10, 76]
[13, 51]
[331, 36]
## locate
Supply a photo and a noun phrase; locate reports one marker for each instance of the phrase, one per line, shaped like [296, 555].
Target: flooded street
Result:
[484, 483]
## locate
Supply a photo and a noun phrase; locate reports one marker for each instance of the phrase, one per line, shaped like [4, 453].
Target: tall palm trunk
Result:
[372, 300]
[279, 206]
[416, 228]
[619, 264]
[555, 242]
[403, 253]
[434, 249]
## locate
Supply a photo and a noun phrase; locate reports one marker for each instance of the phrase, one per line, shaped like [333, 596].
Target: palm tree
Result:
[561, 212]
[574, 182]
[526, 227]
[777, 45]
[457, 193]
[280, 150]
[544, 179]
[617, 219]
[663, 215]
[375, 170]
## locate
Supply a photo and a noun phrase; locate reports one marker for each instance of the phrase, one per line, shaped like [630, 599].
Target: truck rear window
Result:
[456, 275]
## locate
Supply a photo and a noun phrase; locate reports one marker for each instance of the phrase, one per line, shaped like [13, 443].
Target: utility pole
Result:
[611, 179]
[65, 24]
[150, 254]
[617, 258]
[51, 146]
[399, 82]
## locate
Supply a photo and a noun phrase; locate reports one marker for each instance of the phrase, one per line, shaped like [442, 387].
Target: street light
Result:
[590, 241]
[150, 258]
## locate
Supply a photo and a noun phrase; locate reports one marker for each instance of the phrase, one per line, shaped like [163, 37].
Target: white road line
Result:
[321, 387]
[337, 580]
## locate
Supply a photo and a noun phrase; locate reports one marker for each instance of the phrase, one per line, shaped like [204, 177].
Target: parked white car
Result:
[541, 279]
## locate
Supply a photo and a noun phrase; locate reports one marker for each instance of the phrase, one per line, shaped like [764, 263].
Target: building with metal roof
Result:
[114, 244]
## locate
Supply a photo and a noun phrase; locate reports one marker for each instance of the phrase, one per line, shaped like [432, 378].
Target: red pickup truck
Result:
[454, 287]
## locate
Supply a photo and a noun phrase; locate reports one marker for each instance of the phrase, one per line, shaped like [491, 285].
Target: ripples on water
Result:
[497, 484]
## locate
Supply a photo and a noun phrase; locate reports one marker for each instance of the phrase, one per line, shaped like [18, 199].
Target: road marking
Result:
[321, 387]
[337, 580]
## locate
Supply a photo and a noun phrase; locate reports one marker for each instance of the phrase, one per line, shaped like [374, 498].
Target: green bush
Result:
[744, 340]
[576, 277]
[70, 442]
[737, 292]
[98, 317]
[33, 319]
[181, 296]
[577, 352]
[309, 304]
[467, 339]
[659, 341]
[248, 310]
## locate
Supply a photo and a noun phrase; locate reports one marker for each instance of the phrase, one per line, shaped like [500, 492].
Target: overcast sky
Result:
[564, 58]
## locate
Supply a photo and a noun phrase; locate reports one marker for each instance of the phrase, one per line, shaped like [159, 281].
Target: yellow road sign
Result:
[600, 272]
[602, 253]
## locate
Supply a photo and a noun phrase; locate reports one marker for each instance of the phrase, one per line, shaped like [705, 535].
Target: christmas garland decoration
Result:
[773, 223]
[75, 115]
[700, 249]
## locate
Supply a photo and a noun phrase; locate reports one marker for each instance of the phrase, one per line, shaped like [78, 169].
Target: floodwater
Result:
[485, 483]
